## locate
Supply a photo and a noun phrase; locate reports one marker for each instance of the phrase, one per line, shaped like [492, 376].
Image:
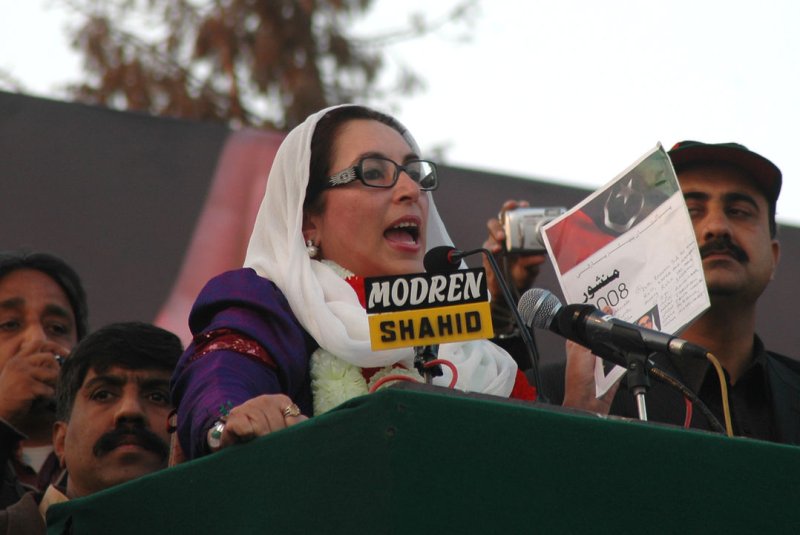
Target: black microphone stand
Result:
[636, 361]
[525, 333]
[638, 380]
[422, 356]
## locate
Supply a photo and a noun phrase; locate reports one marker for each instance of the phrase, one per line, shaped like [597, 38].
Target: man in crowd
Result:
[112, 410]
[731, 194]
[43, 314]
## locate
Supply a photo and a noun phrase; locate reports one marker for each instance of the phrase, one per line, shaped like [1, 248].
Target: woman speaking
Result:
[286, 337]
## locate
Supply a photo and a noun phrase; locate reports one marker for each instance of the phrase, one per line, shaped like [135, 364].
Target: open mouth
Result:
[403, 232]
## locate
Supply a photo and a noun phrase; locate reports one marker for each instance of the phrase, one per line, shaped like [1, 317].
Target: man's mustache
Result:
[723, 245]
[139, 435]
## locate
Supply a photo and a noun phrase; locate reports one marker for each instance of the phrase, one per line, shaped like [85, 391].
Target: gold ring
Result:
[291, 410]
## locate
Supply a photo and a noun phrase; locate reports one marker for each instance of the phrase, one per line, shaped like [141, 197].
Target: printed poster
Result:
[630, 249]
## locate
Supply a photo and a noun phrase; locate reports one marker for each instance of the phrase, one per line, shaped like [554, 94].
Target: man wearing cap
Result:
[111, 423]
[43, 314]
[731, 193]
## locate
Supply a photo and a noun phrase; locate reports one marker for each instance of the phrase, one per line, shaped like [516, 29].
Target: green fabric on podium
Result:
[409, 461]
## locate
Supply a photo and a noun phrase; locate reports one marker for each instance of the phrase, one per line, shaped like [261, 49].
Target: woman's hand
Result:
[257, 417]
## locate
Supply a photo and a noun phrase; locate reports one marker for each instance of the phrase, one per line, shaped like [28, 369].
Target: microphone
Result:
[605, 335]
[443, 259]
[447, 259]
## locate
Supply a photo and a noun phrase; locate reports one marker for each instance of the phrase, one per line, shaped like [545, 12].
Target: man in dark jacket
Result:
[111, 424]
[43, 314]
[731, 193]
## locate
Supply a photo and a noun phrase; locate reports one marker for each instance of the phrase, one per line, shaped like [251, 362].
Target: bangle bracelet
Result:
[214, 437]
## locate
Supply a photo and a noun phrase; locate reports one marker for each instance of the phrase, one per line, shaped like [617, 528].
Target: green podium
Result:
[420, 461]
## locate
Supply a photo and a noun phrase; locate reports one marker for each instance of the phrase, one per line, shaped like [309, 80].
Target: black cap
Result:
[765, 173]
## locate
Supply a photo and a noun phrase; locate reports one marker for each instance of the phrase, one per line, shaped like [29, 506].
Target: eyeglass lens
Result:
[381, 172]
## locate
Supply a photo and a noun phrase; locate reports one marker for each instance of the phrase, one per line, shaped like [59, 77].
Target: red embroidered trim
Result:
[230, 340]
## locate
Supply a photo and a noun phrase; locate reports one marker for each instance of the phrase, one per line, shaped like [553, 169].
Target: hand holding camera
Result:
[515, 234]
[523, 228]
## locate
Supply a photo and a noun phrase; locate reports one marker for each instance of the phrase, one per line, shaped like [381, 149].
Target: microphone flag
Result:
[423, 309]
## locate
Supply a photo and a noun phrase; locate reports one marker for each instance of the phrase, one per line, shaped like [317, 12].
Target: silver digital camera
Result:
[523, 228]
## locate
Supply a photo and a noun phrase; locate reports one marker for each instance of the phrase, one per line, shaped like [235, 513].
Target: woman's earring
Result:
[311, 249]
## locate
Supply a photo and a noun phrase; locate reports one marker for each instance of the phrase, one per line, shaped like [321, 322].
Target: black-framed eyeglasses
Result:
[377, 172]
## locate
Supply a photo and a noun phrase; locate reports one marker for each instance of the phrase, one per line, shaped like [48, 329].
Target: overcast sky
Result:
[569, 91]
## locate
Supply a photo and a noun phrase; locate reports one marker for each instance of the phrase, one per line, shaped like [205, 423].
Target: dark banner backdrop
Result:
[119, 196]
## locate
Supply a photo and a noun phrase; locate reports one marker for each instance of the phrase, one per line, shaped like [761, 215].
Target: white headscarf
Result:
[323, 302]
